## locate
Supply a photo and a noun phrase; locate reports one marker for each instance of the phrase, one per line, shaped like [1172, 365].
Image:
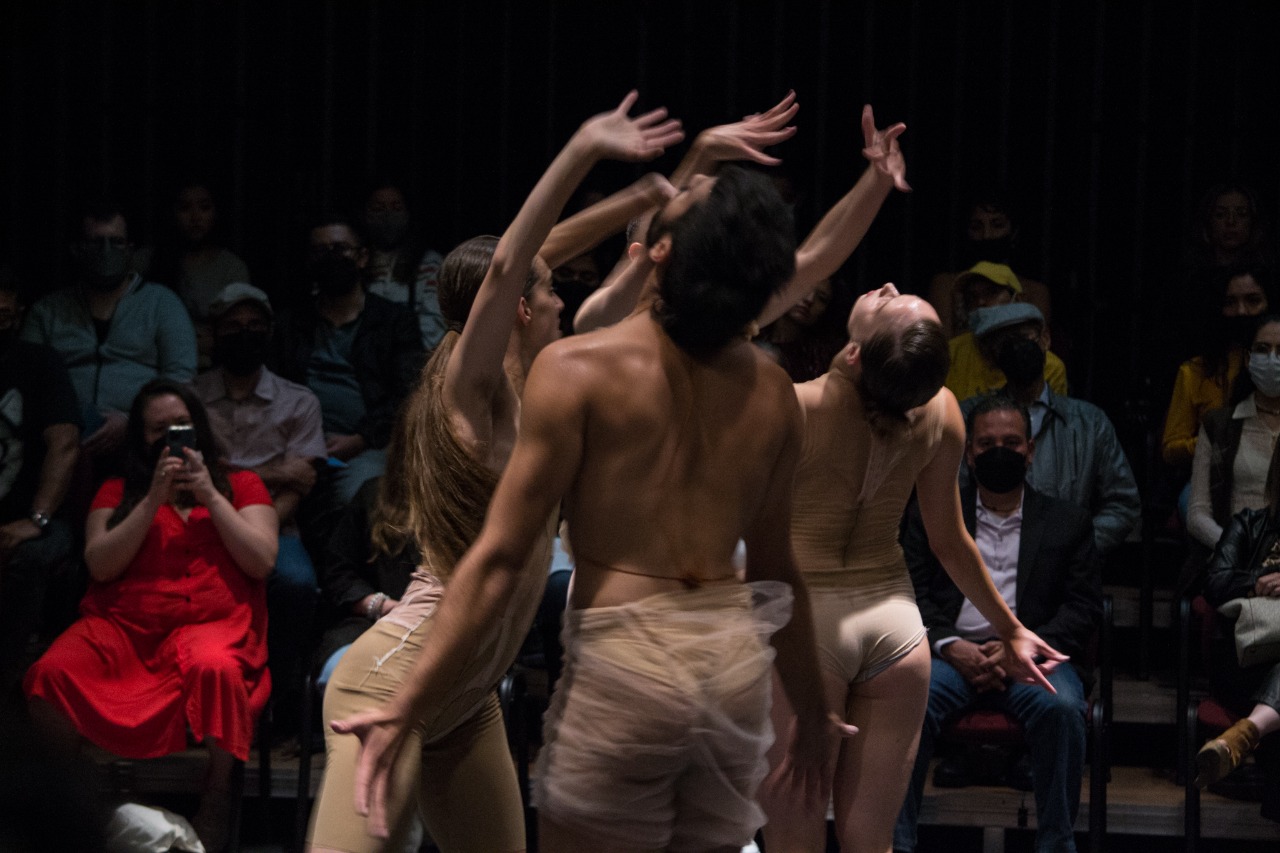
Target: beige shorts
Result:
[862, 631]
[462, 781]
[657, 734]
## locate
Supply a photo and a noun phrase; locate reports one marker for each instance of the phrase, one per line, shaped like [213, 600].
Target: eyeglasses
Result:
[102, 242]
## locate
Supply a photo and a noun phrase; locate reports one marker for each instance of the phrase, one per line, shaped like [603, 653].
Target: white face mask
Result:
[1264, 370]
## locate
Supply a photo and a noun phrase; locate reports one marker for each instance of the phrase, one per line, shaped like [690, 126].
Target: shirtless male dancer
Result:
[669, 438]
[876, 425]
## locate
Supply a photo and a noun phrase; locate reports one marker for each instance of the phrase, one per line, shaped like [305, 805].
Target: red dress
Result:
[178, 641]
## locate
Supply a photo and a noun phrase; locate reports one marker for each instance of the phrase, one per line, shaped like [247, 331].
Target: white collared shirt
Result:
[998, 538]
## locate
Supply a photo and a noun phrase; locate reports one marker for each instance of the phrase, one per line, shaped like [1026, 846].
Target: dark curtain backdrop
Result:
[1105, 120]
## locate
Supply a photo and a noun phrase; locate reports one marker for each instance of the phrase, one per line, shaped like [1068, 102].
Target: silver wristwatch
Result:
[40, 519]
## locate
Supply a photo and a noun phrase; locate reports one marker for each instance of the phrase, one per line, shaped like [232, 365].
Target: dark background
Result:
[1106, 122]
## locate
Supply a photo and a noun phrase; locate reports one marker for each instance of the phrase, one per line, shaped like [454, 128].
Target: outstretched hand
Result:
[617, 136]
[744, 140]
[1021, 652]
[381, 734]
[881, 148]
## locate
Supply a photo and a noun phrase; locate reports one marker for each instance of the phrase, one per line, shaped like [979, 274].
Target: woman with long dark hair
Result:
[172, 633]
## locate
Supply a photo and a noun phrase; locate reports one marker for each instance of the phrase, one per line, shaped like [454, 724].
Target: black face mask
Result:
[241, 353]
[334, 274]
[1000, 469]
[102, 264]
[1021, 360]
[997, 250]
[7, 337]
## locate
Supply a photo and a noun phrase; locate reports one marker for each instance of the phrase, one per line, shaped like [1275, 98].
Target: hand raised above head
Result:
[616, 135]
[881, 148]
[746, 139]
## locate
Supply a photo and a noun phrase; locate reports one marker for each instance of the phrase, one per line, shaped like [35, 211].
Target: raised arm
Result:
[585, 230]
[838, 233]
[739, 140]
[109, 551]
[939, 497]
[250, 533]
[542, 467]
[476, 365]
[623, 290]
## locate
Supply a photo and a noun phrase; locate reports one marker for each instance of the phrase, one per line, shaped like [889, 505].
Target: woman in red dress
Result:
[172, 632]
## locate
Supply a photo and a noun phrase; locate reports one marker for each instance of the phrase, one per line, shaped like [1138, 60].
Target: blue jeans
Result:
[348, 479]
[1055, 729]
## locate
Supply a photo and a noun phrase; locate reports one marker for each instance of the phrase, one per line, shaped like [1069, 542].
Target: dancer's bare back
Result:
[673, 459]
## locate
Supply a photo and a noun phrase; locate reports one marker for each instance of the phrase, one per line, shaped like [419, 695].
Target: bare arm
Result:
[108, 552]
[838, 233]
[770, 557]
[939, 496]
[62, 449]
[476, 366]
[623, 291]
[583, 231]
[740, 140]
[250, 534]
[542, 467]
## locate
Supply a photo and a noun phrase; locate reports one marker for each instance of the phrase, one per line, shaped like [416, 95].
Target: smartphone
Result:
[179, 437]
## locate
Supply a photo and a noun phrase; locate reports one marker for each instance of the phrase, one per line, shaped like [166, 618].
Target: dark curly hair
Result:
[729, 254]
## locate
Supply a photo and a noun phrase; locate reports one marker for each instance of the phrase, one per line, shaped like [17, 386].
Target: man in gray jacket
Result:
[1078, 456]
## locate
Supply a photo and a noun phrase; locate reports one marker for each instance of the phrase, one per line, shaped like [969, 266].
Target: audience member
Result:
[805, 339]
[191, 260]
[1229, 230]
[1078, 455]
[358, 352]
[172, 631]
[368, 562]
[402, 268]
[1203, 382]
[975, 364]
[991, 233]
[272, 427]
[1236, 442]
[1040, 555]
[575, 280]
[39, 444]
[1246, 564]
[113, 331]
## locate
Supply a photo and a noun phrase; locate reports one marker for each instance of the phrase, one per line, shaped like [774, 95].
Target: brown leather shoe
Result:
[1224, 753]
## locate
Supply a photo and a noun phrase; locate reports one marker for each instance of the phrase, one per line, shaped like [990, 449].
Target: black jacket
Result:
[386, 354]
[1059, 586]
[1236, 563]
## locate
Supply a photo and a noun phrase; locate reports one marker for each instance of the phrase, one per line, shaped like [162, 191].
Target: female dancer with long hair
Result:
[497, 296]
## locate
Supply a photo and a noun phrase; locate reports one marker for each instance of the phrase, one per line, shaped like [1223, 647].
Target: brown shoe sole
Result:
[1213, 762]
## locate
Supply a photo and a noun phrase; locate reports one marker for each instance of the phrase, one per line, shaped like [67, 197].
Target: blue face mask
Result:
[1264, 370]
